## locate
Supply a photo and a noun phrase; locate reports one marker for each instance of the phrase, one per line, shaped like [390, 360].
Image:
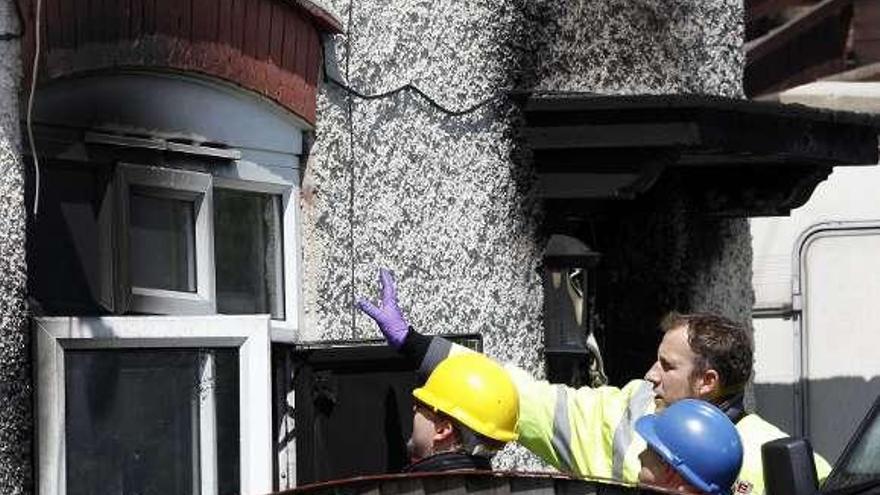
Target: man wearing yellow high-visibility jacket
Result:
[590, 431]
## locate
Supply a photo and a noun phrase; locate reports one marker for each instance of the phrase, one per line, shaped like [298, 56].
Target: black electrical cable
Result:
[328, 76]
[422, 94]
[351, 181]
[351, 92]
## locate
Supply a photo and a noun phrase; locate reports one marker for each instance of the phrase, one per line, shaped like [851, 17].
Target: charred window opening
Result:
[338, 391]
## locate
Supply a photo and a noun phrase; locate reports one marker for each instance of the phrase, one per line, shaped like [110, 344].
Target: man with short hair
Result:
[590, 431]
[466, 411]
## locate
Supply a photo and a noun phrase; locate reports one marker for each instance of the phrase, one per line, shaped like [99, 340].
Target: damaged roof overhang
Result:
[735, 157]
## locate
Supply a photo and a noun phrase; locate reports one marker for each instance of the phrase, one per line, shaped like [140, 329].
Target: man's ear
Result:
[443, 429]
[709, 384]
[677, 482]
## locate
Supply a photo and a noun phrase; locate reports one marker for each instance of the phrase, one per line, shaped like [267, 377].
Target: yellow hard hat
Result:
[475, 391]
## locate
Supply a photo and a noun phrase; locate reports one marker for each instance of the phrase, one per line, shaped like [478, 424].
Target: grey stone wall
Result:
[447, 201]
[16, 428]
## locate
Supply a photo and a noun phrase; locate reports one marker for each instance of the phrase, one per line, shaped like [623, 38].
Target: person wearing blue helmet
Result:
[693, 447]
[589, 431]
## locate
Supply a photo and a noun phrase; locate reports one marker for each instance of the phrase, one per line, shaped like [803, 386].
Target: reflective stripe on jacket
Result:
[585, 431]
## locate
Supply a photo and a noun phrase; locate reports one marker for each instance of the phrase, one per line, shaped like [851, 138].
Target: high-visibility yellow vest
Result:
[590, 432]
[754, 433]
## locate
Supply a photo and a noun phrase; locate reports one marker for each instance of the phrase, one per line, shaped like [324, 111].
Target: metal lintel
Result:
[193, 149]
[153, 143]
[125, 141]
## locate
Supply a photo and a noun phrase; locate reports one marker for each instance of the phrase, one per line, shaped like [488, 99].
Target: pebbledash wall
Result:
[15, 383]
[447, 201]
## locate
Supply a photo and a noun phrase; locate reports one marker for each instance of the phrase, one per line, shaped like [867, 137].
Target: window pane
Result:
[162, 242]
[247, 253]
[136, 420]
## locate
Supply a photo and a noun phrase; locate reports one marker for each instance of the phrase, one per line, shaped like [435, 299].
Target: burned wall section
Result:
[625, 47]
[15, 379]
[448, 201]
[661, 253]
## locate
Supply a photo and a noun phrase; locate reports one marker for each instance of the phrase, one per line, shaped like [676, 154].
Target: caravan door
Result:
[839, 287]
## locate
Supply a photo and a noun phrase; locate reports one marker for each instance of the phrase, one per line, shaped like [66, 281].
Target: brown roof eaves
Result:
[324, 20]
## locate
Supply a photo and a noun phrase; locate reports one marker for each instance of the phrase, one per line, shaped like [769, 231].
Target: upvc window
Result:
[195, 218]
[260, 274]
[154, 405]
[248, 252]
[159, 240]
[165, 238]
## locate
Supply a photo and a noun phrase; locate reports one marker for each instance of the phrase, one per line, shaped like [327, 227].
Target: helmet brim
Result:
[438, 404]
[646, 426]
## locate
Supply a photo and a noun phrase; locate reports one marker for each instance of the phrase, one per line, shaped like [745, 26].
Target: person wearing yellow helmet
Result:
[591, 431]
[465, 412]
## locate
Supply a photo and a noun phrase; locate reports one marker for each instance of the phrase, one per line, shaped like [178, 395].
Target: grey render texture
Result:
[15, 380]
[448, 201]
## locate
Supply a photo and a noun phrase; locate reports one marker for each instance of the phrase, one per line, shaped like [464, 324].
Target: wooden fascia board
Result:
[865, 73]
[778, 37]
[323, 19]
[758, 9]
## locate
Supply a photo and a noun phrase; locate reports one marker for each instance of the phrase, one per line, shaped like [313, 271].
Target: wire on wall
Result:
[330, 75]
[413, 89]
[351, 181]
[30, 106]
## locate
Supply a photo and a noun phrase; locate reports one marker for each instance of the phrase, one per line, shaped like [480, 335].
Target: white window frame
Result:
[173, 184]
[248, 176]
[235, 175]
[249, 334]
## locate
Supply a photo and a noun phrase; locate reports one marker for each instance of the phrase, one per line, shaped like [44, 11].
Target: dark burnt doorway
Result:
[353, 408]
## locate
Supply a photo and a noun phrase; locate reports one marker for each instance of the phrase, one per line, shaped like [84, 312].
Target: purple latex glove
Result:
[388, 316]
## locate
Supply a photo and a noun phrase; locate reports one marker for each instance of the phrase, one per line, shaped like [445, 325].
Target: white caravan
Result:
[816, 276]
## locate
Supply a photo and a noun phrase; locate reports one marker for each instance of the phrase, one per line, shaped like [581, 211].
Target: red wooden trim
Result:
[101, 28]
[224, 20]
[264, 27]
[251, 25]
[149, 22]
[129, 19]
[185, 30]
[266, 46]
[276, 37]
[239, 12]
[288, 56]
[204, 20]
[321, 17]
[313, 58]
[136, 25]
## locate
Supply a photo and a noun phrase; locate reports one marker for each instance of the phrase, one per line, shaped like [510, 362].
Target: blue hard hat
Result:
[697, 440]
